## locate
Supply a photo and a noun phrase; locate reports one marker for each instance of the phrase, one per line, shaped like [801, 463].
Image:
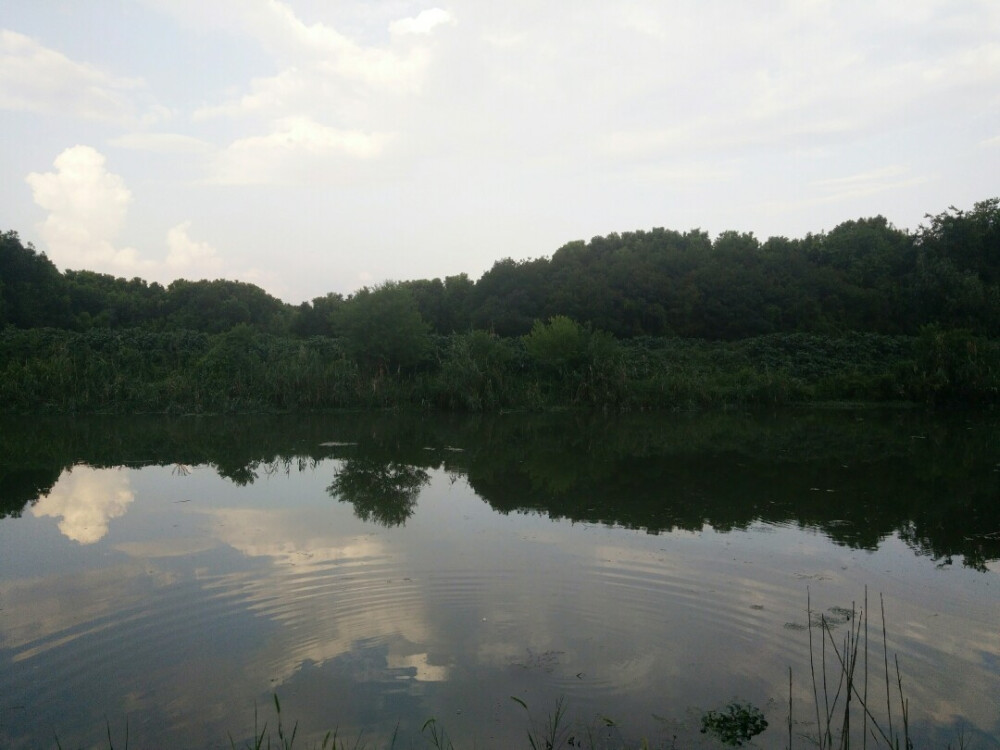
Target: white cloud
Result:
[609, 106]
[873, 176]
[190, 258]
[87, 205]
[313, 56]
[424, 23]
[85, 500]
[34, 78]
[872, 181]
[295, 547]
[325, 87]
[848, 188]
[163, 143]
[298, 150]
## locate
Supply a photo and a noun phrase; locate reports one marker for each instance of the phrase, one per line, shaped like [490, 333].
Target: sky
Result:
[317, 146]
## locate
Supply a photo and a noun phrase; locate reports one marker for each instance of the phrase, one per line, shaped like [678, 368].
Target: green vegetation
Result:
[737, 724]
[642, 320]
[560, 363]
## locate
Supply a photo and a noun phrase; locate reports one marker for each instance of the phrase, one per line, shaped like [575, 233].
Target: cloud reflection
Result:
[332, 591]
[85, 500]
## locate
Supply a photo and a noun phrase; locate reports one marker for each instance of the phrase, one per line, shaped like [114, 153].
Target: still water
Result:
[377, 571]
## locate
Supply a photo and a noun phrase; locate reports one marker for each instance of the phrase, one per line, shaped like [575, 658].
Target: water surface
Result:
[381, 570]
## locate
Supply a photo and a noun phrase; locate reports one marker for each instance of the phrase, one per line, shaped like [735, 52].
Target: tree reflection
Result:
[380, 491]
[858, 477]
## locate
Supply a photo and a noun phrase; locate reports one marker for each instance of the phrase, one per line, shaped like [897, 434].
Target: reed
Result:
[132, 370]
[841, 696]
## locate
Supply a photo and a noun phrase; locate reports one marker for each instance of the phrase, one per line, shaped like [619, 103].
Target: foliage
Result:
[32, 291]
[475, 369]
[957, 366]
[383, 328]
[639, 320]
[241, 370]
[735, 725]
[317, 318]
[559, 344]
[864, 275]
[970, 240]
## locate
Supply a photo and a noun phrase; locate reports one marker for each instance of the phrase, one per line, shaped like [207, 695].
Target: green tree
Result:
[383, 327]
[560, 344]
[217, 306]
[316, 318]
[511, 295]
[33, 291]
[969, 239]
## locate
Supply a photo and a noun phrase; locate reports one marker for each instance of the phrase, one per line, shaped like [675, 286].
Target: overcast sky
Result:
[311, 146]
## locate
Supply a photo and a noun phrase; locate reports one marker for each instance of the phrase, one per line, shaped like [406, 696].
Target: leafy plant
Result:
[735, 725]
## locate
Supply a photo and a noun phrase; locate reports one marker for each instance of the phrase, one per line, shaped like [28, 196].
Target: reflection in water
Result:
[329, 590]
[383, 492]
[242, 578]
[85, 500]
[860, 477]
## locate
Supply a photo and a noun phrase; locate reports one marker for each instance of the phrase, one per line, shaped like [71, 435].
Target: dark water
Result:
[381, 570]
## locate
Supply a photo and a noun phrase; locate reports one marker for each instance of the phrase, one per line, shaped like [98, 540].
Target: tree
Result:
[316, 318]
[217, 306]
[511, 295]
[559, 344]
[33, 292]
[383, 327]
[969, 239]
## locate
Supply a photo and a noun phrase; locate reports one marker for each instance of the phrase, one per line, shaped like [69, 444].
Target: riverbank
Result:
[132, 371]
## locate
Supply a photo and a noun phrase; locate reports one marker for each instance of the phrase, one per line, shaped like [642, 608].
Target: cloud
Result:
[85, 500]
[838, 189]
[870, 177]
[424, 23]
[162, 143]
[345, 89]
[34, 78]
[188, 257]
[297, 547]
[652, 81]
[872, 181]
[87, 205]
[298, 150]
[320, 68]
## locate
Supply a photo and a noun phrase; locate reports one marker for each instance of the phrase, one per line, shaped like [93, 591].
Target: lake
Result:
[376, 571]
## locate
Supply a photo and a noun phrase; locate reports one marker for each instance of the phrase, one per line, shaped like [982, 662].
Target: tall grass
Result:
[840, 691]
[280, 738]
[243, 370]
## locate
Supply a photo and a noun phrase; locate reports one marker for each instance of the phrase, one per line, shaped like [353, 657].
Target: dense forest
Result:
[643, 319]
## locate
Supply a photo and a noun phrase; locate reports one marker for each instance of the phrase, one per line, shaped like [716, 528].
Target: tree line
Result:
[640, 320]
[864, 275]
